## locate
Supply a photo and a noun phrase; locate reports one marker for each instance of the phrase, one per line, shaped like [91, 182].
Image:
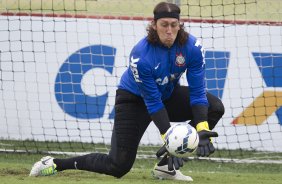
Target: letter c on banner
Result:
[68, 91]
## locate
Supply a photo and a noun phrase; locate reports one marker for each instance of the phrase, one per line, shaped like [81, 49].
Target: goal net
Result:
[61, 61]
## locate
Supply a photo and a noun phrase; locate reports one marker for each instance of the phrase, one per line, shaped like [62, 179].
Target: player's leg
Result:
[131, 121]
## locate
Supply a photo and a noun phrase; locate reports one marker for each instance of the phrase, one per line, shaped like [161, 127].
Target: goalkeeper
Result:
[148, 91]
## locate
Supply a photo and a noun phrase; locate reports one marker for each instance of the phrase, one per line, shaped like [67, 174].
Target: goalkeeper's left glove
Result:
[172, 161]
[205, 147]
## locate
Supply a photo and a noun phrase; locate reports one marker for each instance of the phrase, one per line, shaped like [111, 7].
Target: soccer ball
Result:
[181, 140]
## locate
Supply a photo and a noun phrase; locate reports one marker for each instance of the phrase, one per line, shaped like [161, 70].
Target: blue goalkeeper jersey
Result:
[155, 70]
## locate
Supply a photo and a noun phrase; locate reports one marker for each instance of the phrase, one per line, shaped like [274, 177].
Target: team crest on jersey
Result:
[180, 60]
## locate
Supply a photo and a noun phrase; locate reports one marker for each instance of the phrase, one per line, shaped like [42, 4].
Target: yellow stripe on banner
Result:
[261, 108]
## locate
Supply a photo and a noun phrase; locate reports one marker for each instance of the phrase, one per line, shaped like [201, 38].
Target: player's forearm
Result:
[161, 120]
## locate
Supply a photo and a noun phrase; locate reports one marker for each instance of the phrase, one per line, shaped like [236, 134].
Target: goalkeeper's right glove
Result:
[205, 147]
[172, 161]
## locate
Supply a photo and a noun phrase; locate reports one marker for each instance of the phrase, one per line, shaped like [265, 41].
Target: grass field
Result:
[15, 167]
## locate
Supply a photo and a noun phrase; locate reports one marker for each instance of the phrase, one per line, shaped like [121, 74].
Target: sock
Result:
[69, 163]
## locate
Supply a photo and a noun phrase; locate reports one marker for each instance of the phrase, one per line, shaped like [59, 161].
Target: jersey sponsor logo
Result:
[133, 67]
[161, 81]
[167, 79]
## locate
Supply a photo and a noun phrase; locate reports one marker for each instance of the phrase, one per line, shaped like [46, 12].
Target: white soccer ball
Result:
[181, 140]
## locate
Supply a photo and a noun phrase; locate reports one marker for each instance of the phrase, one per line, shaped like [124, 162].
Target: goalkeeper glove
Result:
[205, 147]
[172, 161]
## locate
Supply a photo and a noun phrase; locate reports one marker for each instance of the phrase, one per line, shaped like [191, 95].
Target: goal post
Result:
[61, 61]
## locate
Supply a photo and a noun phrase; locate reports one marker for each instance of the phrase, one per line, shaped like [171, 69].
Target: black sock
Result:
[69, 163]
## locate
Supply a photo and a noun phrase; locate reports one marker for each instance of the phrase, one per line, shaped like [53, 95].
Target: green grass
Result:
[14, 168]
[44, 147]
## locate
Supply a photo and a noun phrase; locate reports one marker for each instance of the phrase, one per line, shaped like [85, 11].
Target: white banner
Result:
[58, 78]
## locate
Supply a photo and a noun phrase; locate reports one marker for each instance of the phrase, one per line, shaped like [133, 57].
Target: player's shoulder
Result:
[192, 40]
[194, 44]
[141, 48]
[194, 47]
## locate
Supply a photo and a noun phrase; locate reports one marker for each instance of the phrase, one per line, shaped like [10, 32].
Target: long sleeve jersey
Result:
[155, 70]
